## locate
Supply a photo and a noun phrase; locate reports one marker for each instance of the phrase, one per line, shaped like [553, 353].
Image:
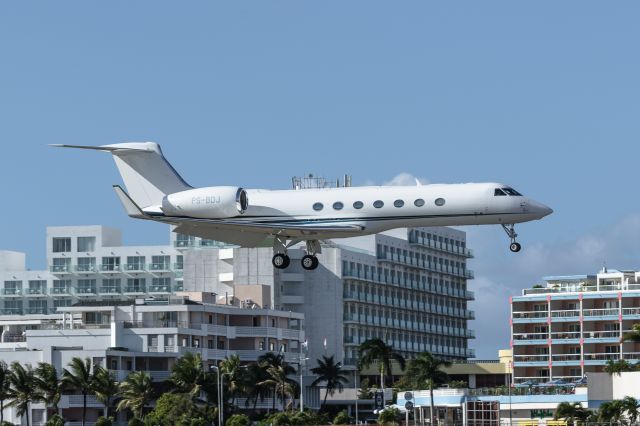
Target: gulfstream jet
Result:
[253, 217]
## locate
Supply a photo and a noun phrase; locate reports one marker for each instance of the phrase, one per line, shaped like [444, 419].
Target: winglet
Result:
[132, 209]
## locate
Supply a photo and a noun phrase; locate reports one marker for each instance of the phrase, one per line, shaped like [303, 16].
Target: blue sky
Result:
[541, 95]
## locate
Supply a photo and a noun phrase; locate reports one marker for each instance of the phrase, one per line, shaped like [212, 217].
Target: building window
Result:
[439, 202]
[135, 285]
[135, 263]
[86, 244]
[338, 205]
[86, 287]
[358, 205]
[61, 264]
[378, 204]
[162, 285]
[110, 264]
[61, 286]
[86, 264]
[419, 202]
[13, 287]
[179, 262]
[61, 245]
[110, 286]
[318, 206]
[183, 240]
[398, 203]
[160, 263]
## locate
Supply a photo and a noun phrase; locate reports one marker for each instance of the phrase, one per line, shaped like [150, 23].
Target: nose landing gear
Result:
[511, 233]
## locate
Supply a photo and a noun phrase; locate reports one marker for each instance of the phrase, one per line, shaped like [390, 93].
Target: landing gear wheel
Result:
[309, 262]
[515, 247]
[280, 260]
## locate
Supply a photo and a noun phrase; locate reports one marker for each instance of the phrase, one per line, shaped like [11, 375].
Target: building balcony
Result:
[110, 269]
[11, 311]
[595, 314]
[436, 245]
[39, 311]
[134, 267]
[61, 291]
[36, 291]
[135, 290]
[185, 244]
[85, 269]
[530, 360]
[159, 289]
[159, 267]
[11, 292]
[60, 269]
[85, 291]
[109, 290]
[582, 289]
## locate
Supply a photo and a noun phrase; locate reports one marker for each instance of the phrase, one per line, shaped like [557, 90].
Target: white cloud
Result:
[405, 179]
[500, 274]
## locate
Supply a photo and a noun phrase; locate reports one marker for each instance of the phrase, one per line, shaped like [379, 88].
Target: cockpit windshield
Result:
[506, 191]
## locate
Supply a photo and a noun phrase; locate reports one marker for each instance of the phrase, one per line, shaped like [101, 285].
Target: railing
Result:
[61, 290]
[11, 292]
[601, 312]
[159, 267]
[158, 324]
[601, 334]
[530, 314]
[133, 267]
[36, 291]
[159, 289]
[60, 269]
[418, 263]
[85, 268]
[436, 245]
[602, 357]
[531, 358]
[184, 244]
[110, 268]
[86, 290]
[135, 289]
[583, 288]
[630, 311]
[565, 335]
[109, 290]
[631, 355]
[11, 311]
[530, 336]
[565, 314]
[565, 357]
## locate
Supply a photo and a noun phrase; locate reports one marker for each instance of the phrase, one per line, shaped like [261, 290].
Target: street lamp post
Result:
[215, 367]
[302, 360]
[355, 383]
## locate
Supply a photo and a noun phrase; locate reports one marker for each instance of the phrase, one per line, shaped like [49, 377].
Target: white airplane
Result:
[250, 217]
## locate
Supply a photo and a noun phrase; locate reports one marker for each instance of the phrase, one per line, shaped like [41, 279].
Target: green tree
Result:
[231, 368]
[611, 411]
[252, 387]
[48, 385]
[426, 369]
[633, 335]
[5, 387]
[136, 392]
[376, 351]
[78, 378]
[238, 420]
[342, 418]
[187, 374]
[175, 409]
[55, 420]
[23, 391]
[389, 417]
[105, 387]
[631, 407]
[281, 383]
[618, 366]
[274, 361]
[330, 373]
[571, 412]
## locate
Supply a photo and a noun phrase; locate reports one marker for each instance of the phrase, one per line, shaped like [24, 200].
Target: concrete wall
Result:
[12, 261]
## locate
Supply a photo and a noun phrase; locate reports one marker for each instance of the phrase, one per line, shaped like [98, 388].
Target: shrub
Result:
[342, 418]
[389, 417]
[55, 420]
[104, 421]
[135, 422]
[238, 420]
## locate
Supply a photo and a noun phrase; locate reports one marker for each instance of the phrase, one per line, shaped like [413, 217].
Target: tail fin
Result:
[147, 175]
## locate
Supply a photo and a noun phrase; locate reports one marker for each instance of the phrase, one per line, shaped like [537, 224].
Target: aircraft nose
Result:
[540, 208]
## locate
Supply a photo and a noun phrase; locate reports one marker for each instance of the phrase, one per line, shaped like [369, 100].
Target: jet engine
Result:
[215, 202]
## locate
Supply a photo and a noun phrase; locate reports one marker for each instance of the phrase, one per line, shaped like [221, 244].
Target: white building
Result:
[572, 325]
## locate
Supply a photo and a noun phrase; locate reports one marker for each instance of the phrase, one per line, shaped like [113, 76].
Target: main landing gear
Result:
[281, 259]
[511, 232]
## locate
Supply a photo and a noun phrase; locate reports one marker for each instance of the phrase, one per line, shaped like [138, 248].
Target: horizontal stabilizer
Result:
[132, 209]
[108, 148]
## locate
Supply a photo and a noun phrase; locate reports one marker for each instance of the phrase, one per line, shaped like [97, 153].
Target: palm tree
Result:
[231, 367]
[79, 379]
[426, 369]
[105, 387]
[22, 391]
[611, 411]
[631, 406]
[571, 411]
[329, 372]
[376, 351]
[187, 374]
[5, 387]
[136, 392]
[267, 361]
[281, 383]
[617, 367]
[633, 335]
[48, 385]
[251, 386]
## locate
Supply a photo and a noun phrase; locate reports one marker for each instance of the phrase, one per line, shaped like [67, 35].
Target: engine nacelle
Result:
[214, 202]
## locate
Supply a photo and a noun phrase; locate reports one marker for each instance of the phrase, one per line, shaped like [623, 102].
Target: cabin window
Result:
[338, 205]
[318, 206]
[398, 203]
[419, 202]
[358, 205]
[512, 191]
[498, 192]
[439, 202]
[378, 204]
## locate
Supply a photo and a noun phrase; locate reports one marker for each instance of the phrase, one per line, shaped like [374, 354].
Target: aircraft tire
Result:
[515, 247]
[280, 261]
[309, 262]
